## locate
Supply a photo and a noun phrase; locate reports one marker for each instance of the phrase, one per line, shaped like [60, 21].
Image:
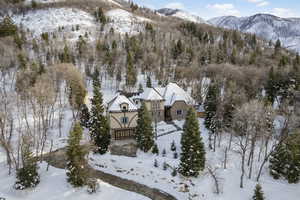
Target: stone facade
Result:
[156, 109]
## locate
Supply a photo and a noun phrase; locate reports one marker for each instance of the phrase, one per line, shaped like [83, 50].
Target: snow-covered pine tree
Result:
[155, 149]
[76, 172]
[278, 161]
[258, 193]
[99, 127]
[210, 106]
[149, 82]
[173, 146]
[27, 176]
[192, 159]
[144, 132]
[84, 116]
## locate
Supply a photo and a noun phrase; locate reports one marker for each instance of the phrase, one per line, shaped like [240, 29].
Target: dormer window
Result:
[124, 107]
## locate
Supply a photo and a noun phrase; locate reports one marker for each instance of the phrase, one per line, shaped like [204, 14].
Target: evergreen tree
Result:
[149, 82]
[131, 74]
[210, 106]
[258, 193]
[141, 90]
[277, 47]
[165, 166]
[144, 132]
[155, 163]
[76, 171]
[155, 149]
[192, 159]
[174, 172]
[271, 90]
[84, 116]
[27, 176]
[99, 127]
[278, 160]
[173, 146]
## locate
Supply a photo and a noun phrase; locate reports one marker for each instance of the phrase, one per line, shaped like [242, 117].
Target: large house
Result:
[122, 114]
[164, 103]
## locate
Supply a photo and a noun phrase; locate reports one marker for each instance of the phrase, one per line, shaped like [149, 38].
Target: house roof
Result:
[115, 104]
[172, 93]
[151, 94]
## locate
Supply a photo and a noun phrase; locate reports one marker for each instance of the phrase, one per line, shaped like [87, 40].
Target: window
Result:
[124, 120]
[179, 112]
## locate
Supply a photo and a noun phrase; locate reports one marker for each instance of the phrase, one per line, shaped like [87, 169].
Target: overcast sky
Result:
[214, 8]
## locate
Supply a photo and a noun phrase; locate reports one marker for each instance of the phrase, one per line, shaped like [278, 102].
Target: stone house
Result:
[122, 114]
[153, 101]
[166, 103]
[177, 102]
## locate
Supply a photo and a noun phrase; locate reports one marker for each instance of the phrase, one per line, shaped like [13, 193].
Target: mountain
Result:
[181, 14]
[267, 26]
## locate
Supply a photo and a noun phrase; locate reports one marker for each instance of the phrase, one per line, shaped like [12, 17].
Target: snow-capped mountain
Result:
[270, 27]
[181, 14]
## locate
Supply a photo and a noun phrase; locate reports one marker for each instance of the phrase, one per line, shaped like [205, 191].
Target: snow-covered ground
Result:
[141, 169]
[54, 186]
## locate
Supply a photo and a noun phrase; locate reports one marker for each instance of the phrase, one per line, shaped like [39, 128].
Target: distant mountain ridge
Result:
[181, 14]
[267, 26]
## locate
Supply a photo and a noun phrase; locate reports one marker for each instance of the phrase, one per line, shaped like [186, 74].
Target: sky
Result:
[213, 8]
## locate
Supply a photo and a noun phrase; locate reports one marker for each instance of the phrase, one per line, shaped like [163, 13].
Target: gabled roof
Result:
[172, 93]
[151, 94]
[115, 104]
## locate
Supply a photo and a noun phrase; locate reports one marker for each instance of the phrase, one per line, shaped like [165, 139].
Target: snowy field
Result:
[141, 169]
[54, 186]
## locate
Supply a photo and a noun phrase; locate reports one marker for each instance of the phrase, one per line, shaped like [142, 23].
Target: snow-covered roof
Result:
[172, 93]
[151, 94]
[115, 104]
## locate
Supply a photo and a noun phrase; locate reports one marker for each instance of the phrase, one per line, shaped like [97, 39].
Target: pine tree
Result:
[165, 166]
[141, 90]
[149, 82]
[131, 74]
[155, 163]
[258, 193]
[155, 149]
[210, 106]
[99, 127]
[174, 172]
[76, 171]
[27, 176]
[84, 116]
[164, 153]
[173, 146]
[278, 160]
[192, 159]
[270, 88]
[144, 131]
[277, 47]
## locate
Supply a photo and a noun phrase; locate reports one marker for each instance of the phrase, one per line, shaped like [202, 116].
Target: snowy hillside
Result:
[126, 22]
[266, 26]
[67, 19]
[51, 20]
[181, 14]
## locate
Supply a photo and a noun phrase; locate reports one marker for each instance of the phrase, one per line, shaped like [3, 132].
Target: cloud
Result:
[224, 9]
[283, 12]
[259, 3]
[175, 5]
